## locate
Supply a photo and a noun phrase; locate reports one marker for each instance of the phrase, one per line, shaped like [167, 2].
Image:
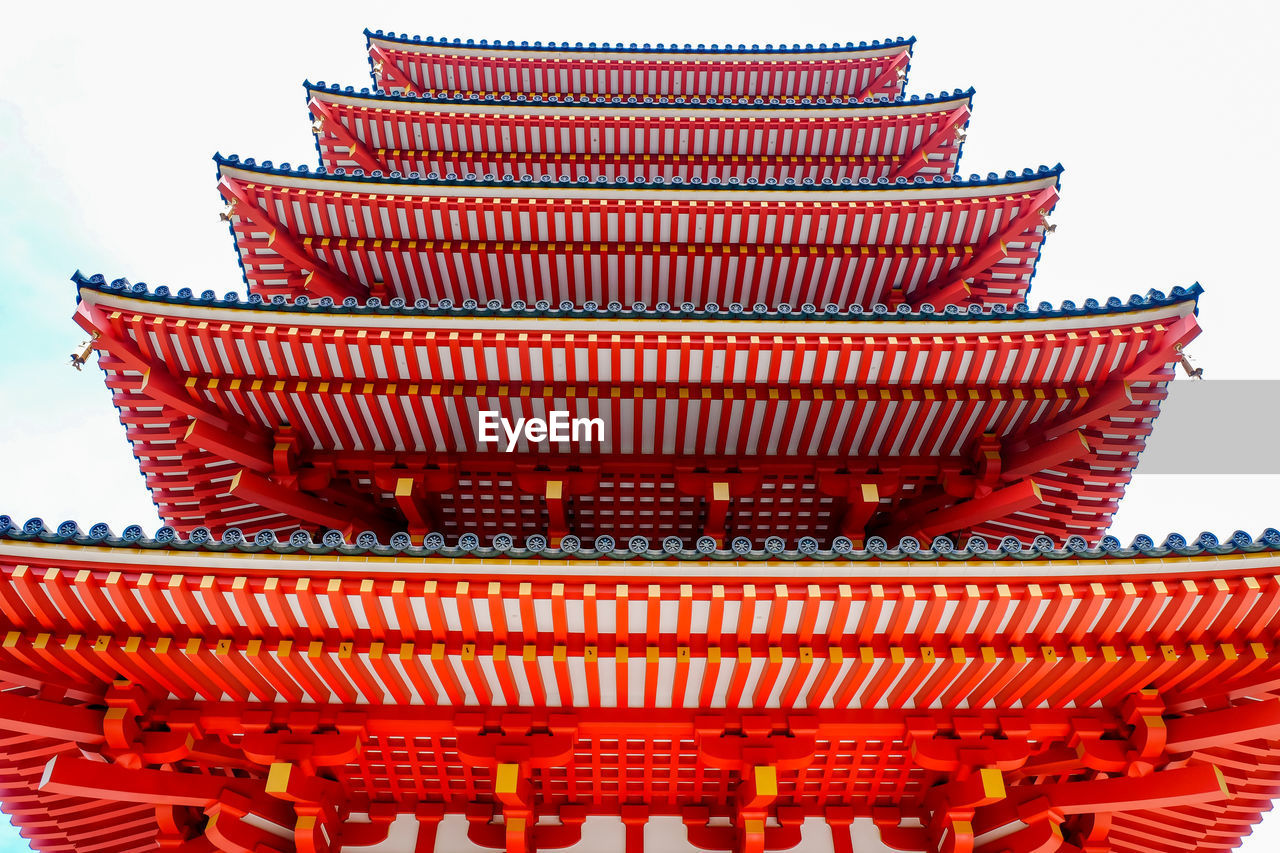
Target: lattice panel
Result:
[624, 507]
[492, 504]
[407, 769]
[789, 507]
[605, 773]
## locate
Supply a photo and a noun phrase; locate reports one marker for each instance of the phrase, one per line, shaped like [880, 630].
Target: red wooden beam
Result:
[1044, 455]
[391, 72]
[1117, 393]
[229, 444]
[991, 252]
[331, 123]
[322, 280]
[255, 488]
[79, 777]
[1161, 790]
[1229, 726]
[920, 157]
[50, 719]
[1021, 495]
[890, 73]
[158, 383]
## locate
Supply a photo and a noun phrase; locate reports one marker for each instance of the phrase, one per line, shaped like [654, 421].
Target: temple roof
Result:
[832, 574]
[874, 313]
[943, 241]
[573, 103]
[424, 65]
[595, 138]
[216, 662]
[720, 52]
[1057, 405]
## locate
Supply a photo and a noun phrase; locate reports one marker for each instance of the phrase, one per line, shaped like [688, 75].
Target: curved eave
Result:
[1168, 556]
[1105, 462]
[715, 53]
[1041, 320]
[587, 106]
[1027, 181]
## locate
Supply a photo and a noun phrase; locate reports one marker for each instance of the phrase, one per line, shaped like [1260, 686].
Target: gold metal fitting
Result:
[1185, 361]
[86, 349]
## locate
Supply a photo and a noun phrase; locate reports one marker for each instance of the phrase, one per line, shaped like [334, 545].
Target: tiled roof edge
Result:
[590, 310]
[607, 47]
[468, 545]
[993, 179]
[671, 101]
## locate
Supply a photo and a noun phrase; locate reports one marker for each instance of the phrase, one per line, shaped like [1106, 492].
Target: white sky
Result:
[1163, 115]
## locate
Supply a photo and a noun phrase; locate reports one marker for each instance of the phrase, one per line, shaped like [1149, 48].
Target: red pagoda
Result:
[635, 449]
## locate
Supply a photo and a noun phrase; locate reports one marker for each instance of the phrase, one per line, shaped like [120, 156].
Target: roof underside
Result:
[797, 429]
[628, 143]
[861, 664]
[940, 243]
[421, 68]
[637, 624]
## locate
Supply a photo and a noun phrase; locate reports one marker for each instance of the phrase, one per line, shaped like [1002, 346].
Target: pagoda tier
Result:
[450, 137]
[507, 241]
[253, 696]
[841, 73]
[712, 425]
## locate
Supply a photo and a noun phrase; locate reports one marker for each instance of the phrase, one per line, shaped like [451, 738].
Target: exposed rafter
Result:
[320, 279]
[384, 66]
[894, 73]
[920, 156]
[957, 286]
[328, 123]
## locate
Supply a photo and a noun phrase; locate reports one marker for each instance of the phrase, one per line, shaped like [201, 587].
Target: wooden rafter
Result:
[889, 75]
[390, 72]
[919, 158]
[197, 629]
[320, 279]
[329, 123]
[956, 286]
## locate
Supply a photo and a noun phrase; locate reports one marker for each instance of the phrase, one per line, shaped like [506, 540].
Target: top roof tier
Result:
[838, 73]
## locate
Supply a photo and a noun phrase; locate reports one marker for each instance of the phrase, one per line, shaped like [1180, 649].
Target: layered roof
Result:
[268, 416]
[864, 599]
[425, 66]
[596, 139]
[405, 671]
[505, 240]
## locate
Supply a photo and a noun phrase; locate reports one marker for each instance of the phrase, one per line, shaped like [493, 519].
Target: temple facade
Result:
[818, 562]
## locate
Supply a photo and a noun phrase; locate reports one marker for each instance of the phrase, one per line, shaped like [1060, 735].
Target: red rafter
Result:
[320, 279]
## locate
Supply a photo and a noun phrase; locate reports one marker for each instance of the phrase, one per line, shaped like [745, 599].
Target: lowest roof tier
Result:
[276, 416]
[445, 137]
[512, 241]
[1117, 701]
[419, 67]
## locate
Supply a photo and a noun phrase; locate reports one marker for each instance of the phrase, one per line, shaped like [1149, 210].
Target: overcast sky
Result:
[1162, 113]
